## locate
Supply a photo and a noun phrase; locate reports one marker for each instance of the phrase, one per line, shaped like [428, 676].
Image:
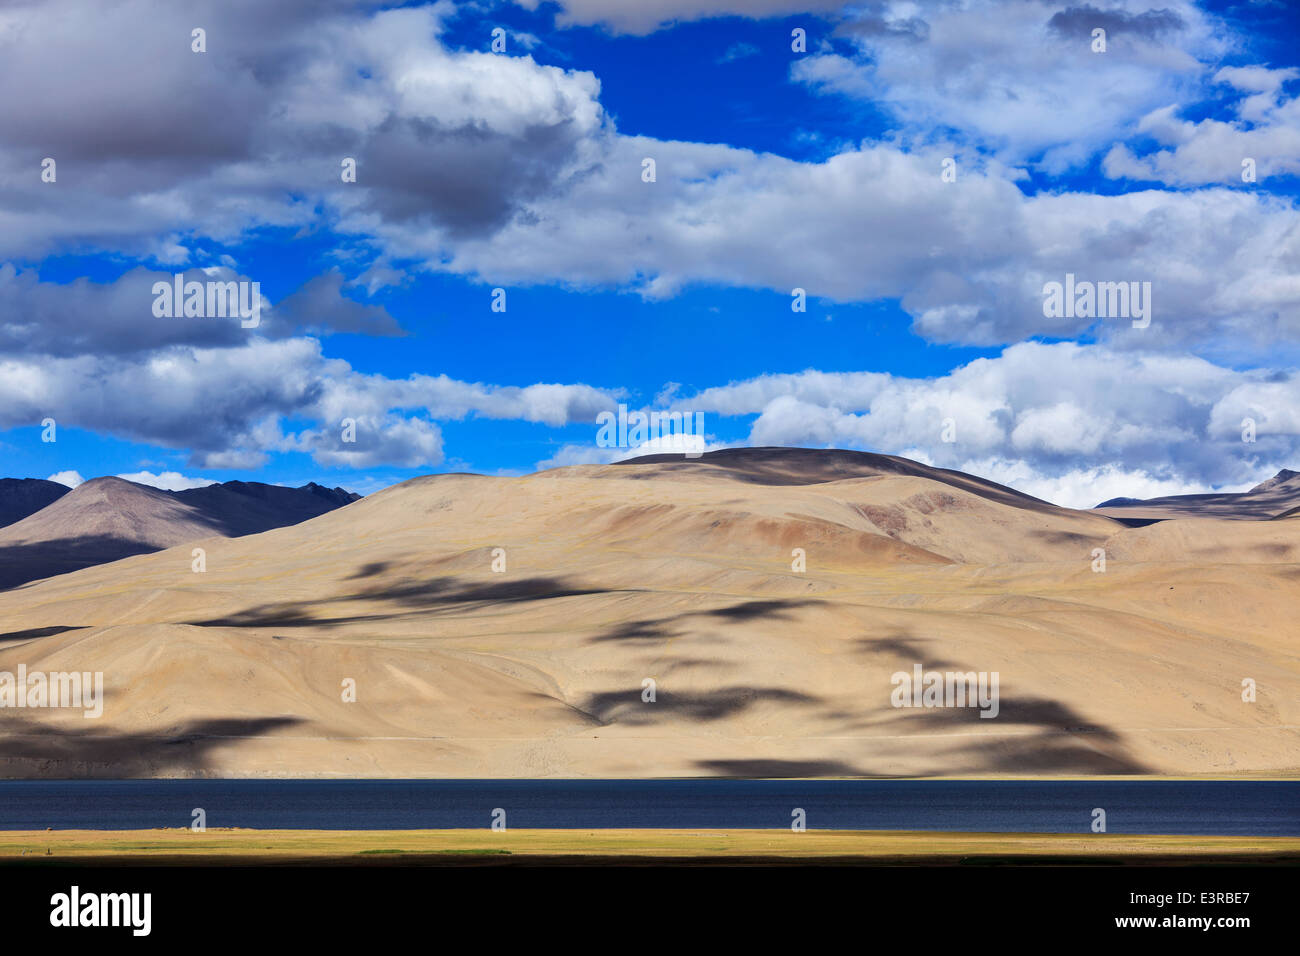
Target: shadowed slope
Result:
[21, 497]
[107, 519]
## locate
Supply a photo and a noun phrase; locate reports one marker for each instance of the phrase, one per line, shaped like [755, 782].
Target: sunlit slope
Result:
[684, 574]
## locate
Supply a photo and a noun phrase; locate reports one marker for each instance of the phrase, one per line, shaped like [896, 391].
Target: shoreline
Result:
[534, 847]
[1253, 776]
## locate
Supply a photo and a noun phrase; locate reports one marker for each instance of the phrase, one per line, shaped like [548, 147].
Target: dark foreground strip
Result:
[482, 903]
[504, 858]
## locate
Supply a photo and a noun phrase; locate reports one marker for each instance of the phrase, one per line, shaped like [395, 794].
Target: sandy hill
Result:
[849, 504]
[680, 572]
[20, 497]
[110, 518]
[1268, 499]
[806, 466]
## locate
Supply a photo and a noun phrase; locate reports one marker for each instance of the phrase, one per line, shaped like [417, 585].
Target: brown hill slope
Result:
[612, 576]
[806, 466]
[106, 519]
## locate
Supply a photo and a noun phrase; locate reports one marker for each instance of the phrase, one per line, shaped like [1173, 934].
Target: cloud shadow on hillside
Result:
[625, 705]
[651, 630]
[33, 633]
[1059, 739]
[96, 752]
[23, 563]
[421, 597]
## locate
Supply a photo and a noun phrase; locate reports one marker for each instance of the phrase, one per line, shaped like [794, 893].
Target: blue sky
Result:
[775, 169]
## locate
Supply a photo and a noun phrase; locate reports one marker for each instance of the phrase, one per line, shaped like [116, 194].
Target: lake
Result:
[1167, 807]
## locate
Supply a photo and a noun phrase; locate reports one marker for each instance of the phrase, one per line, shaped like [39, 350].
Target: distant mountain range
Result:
[1278, 497]
[50, 529]
[20, 497]
[47, 529]
[506, 627]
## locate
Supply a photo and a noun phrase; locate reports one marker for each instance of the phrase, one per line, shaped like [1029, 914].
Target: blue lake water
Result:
[1170, 807]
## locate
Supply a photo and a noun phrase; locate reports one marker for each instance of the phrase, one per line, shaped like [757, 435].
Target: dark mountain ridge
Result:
[107, 519]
